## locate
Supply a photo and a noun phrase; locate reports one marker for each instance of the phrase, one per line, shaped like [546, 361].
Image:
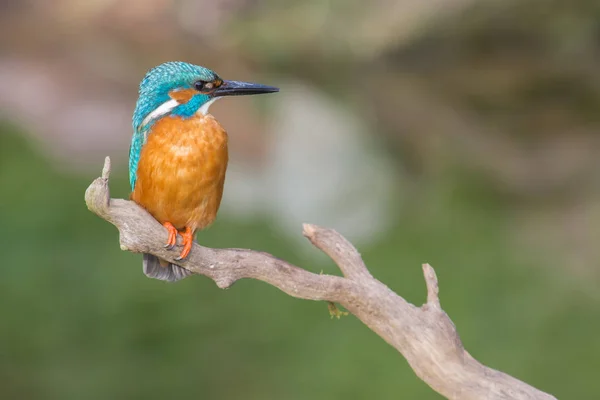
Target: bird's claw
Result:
[188, 241]
[172, 239]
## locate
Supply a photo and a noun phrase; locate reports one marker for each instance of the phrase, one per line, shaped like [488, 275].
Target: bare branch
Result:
[339, 250]
[425, 335]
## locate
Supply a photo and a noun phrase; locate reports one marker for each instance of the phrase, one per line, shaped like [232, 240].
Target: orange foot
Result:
[188, 240]
[172, 240]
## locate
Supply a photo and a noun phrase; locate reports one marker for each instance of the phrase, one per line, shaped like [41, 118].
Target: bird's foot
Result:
[188, 241]
[172, 240]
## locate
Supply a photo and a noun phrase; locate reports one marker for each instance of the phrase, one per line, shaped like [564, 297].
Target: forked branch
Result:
[424, 335]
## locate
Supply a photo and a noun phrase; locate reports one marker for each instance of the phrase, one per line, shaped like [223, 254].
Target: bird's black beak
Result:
[236, 88]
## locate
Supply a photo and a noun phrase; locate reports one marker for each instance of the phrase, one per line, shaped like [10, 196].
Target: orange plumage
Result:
[181, 173]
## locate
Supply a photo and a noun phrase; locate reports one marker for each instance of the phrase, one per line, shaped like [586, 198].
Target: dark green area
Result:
[80, 321]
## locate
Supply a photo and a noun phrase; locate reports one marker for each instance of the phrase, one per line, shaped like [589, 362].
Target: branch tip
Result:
[106, 169]
[432, 286]
[308, 230]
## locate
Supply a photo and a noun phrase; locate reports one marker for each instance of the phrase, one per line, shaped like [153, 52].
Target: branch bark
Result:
[424, 335]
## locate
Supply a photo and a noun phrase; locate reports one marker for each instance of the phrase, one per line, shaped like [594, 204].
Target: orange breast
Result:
[181, 171]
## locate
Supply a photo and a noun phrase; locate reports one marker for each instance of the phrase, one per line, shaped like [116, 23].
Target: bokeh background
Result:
[463, 133]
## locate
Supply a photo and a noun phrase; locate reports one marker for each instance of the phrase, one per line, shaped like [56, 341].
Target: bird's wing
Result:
[135, 149]
[145, 115]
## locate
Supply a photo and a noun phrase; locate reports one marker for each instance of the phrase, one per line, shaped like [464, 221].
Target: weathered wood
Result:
[424, 335]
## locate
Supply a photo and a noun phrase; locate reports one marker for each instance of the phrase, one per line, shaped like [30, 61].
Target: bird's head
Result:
[182, 89]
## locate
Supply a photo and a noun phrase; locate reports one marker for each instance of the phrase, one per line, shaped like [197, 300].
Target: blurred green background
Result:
[463, 133]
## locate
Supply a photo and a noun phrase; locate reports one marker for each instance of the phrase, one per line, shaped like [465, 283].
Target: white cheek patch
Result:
[204, 109]
[161, 110]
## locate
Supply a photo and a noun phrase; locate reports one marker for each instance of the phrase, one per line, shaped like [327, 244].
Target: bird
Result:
[178, 155]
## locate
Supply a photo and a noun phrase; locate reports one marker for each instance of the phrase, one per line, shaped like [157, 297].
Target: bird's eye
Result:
[203, 86]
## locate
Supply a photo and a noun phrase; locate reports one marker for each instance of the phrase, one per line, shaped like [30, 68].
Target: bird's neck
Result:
[196, 106]
[149, 112]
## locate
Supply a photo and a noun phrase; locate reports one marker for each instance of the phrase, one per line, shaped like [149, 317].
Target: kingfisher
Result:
[178, 155]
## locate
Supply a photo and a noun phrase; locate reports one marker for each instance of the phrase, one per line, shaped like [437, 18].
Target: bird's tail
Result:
[162, 270]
